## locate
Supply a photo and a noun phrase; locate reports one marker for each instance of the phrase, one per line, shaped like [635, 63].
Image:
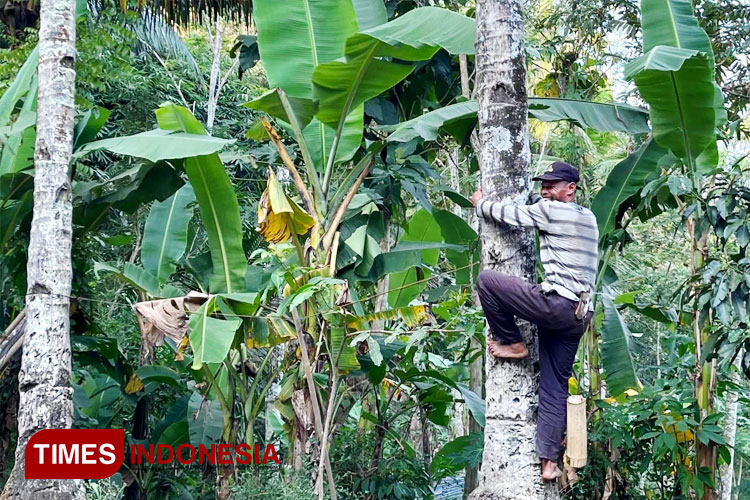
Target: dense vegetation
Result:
[325, 231]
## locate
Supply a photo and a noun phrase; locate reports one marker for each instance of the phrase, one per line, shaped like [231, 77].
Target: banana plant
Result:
[676, 77]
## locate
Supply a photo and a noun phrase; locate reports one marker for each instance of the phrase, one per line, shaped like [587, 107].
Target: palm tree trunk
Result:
[510, 467]
[44, 381]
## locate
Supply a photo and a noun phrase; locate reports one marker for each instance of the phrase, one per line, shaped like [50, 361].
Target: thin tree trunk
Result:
[476, 367]
[213, 81]
[381, 289]
[726, 471]
[738, 482]
[46, 397]
[146, 356]
[510, 467]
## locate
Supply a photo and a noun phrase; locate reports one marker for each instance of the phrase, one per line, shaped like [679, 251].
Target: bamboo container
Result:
[577, 438]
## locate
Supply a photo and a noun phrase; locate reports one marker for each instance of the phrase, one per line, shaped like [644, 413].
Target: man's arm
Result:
[535, 216]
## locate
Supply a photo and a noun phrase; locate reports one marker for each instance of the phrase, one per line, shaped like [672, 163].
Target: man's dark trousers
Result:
[506, 297]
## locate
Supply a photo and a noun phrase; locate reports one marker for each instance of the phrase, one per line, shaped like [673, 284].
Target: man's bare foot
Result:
[550, 470]
[507, 351]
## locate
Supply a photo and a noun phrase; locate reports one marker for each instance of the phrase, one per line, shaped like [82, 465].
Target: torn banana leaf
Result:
[273, 331]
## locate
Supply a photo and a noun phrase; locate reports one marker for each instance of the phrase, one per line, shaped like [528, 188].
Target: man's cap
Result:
[559, 171]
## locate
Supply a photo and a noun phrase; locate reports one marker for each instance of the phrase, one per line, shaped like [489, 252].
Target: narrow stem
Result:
[309, 164]
[222, 401]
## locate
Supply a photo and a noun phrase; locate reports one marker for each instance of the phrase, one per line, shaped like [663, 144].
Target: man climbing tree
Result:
[559, 306]
[510, 465]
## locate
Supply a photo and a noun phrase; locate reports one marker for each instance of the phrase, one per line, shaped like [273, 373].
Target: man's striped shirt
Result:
[568, 237]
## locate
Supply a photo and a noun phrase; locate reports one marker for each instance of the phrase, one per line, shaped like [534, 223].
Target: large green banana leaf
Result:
[603, 116]
[210, 338]
[319, 138]
[416, 36]
[165, 233]
[458, 119]
[309, 33]
[17, 141]
[89, 125]
[141, 184]
[406, 285]
[140, 279]
[404, 257]
[370, 13]
[676, 77]
[625, 179]
[159, 144]
[671, 23]
[678, 84]
[617, 362]
[217, 202]
[20, 87]
[456, 231]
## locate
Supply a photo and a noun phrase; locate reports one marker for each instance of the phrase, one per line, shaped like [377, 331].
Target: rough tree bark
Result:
[726, 471]
[510, 466]
[46, 396]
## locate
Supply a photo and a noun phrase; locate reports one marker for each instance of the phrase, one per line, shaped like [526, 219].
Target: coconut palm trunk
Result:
[510, 466]
[44, 381]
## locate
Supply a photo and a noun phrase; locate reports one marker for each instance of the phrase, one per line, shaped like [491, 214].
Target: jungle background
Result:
[394, 324]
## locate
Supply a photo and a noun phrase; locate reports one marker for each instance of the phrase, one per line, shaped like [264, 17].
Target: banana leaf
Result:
[165, 233]
[619, 369]
[370, 13]
[456, 231]
[270, 102]
[411, 315]
[18, 144]
[341, 86]
[22, 85]
[210, 338]
[625, 179]
[404, 286]
[291, 46]
[602, 116]
[140, 279]
[217, 202]
[676, 77]
[89, 125]
[319, 138]
[308, 33]
[342, 353]
[458, 119]
[678, 84]
[159, 144]
[134, 187]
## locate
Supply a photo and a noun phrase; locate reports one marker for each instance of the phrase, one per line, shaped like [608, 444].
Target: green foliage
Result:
[462, 452]
[653, 433]
[272, 485]
[625, 179]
